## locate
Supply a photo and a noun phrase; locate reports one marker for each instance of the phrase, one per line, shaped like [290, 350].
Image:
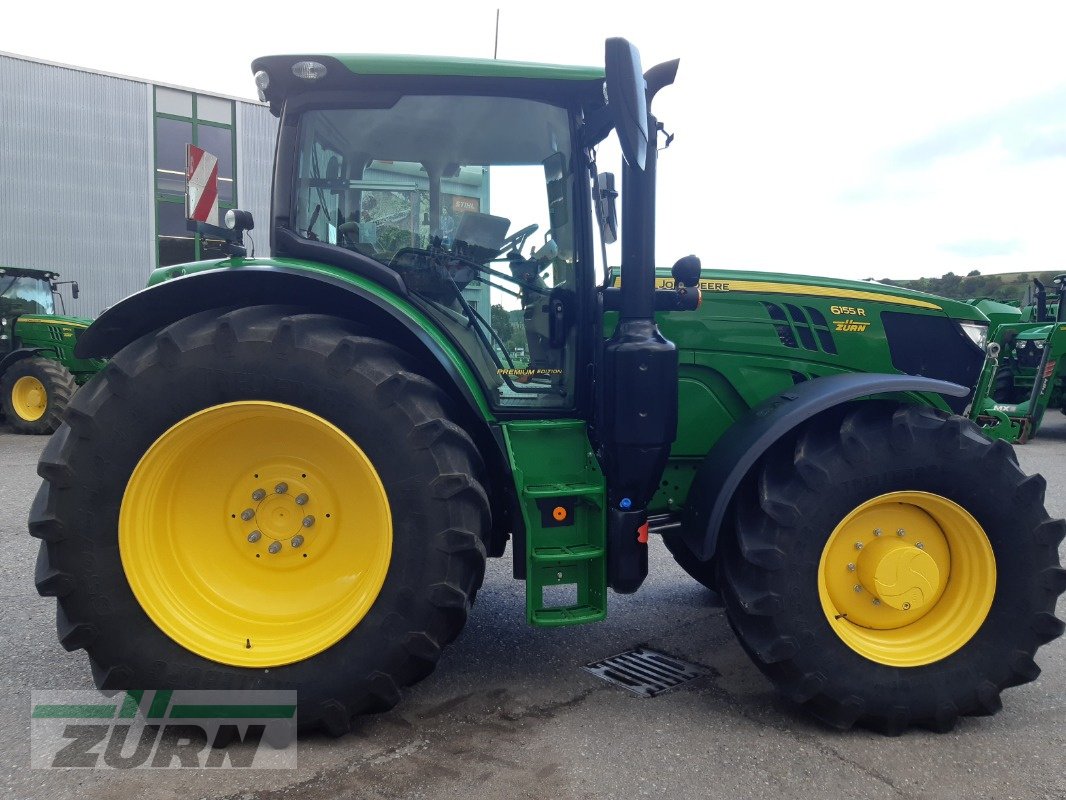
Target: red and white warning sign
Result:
[201, 185]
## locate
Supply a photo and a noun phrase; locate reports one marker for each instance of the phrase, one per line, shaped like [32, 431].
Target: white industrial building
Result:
[92, 172]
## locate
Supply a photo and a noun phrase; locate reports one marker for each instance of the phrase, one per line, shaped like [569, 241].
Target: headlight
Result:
[1022, 345]
[1039, 345]
[977, 332]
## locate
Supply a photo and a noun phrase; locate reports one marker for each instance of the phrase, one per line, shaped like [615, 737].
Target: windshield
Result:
[21, 295]
[469, 199]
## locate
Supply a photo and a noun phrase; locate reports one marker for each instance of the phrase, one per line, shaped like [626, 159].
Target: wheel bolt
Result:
[254, 536]
[906, 606]
[301, 499]
[858, 588]
[296, 540]
[281, 488]
[901, 532]
[275, 548]
[877, 531]
[920, 545]
[858, 545]
[247, 514]
[877, 601]
[259, 494]
[308, 521]
[851, 567]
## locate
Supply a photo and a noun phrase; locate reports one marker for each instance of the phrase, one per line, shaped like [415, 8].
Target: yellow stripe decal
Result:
[714, 285]
[52, 322]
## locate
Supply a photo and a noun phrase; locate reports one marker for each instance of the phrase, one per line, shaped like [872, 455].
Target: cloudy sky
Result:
[852, 139]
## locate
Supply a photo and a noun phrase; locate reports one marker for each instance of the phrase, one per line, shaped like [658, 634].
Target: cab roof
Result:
[404, 74]
[379, 64]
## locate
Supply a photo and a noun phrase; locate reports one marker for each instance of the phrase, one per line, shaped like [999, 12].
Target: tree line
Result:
[1008, 286]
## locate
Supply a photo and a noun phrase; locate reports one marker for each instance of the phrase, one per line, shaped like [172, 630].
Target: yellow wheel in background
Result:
[255, 534]
[907, 578]
[29, 398]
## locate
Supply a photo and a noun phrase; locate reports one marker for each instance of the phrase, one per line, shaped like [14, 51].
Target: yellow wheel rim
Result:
[907, 578]
[29, 398]
[255, 534]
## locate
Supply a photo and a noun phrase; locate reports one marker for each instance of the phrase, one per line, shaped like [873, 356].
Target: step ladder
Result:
[562, 493]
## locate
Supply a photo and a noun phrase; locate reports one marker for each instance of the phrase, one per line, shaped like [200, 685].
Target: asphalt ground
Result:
[510, 713]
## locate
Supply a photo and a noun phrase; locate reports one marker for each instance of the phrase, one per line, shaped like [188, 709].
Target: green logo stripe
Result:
[160, 703]
[43, 711]
[232, 712]
[131, 704]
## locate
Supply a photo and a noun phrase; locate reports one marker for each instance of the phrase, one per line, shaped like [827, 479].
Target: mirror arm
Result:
[660, 76]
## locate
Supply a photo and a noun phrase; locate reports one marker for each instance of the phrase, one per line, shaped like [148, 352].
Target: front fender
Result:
[737, 451]
[17, 355]
[272, 283]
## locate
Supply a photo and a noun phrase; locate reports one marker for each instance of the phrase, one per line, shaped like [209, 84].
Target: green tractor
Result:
[38, 369]
[293, 468]
[1024, 373]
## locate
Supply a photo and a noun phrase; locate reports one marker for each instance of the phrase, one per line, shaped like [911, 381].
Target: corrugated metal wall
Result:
[257, 131]
[75, 178]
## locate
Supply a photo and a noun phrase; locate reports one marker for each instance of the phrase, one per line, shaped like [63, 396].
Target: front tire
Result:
[919, 513]
[259, 499]
[34, 393]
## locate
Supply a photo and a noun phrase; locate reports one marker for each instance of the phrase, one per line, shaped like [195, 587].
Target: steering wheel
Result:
[517, 240]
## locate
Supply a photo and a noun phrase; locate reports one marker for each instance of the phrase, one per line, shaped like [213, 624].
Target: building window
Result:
[183, 118]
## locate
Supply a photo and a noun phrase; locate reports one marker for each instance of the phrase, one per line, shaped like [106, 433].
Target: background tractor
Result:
[293, 468]
[38, 369]
[1024, 374]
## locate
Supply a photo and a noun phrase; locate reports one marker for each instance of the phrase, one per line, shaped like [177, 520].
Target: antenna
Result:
[496, 42]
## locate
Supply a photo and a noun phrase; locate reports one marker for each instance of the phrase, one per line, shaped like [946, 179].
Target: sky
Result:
[855, 140]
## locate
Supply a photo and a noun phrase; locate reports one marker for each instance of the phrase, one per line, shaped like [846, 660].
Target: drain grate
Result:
[645, 672]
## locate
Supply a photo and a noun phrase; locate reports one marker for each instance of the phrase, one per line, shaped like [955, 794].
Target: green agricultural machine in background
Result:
[38, 369]
[1024, 374]
[293, 468]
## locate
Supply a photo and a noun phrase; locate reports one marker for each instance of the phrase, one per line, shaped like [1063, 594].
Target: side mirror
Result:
[74, 290]
[606, 207]
[686, 271]
[627, 101]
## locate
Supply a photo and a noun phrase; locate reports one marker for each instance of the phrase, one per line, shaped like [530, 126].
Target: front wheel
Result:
[34, 393]
[893, 568]
[259, 499]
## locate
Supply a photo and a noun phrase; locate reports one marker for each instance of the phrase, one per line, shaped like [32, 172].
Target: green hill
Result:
[1004, 286]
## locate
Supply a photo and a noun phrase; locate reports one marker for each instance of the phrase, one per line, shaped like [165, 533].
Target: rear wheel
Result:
[34, 393]
[894, 568]
[261, 499]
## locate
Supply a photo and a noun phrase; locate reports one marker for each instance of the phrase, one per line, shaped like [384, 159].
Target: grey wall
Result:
[75, 178]
[257, 131]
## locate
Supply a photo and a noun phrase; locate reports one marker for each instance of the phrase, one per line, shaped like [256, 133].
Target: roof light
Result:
[262, 83]
[309, 70]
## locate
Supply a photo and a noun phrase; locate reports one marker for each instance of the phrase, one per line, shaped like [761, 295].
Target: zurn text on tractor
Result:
[38, 369]
[293, 468]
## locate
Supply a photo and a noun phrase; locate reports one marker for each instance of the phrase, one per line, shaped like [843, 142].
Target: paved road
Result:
[509, 713]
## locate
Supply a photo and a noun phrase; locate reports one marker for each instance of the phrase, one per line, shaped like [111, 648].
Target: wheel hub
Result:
[900, 575]
[284, 515]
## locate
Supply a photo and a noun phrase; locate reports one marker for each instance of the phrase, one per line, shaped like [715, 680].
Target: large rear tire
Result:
[34, 393]
[259, 499]
[893, 568]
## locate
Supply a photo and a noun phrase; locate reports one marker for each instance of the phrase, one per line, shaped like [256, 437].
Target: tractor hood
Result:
[847, 291]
